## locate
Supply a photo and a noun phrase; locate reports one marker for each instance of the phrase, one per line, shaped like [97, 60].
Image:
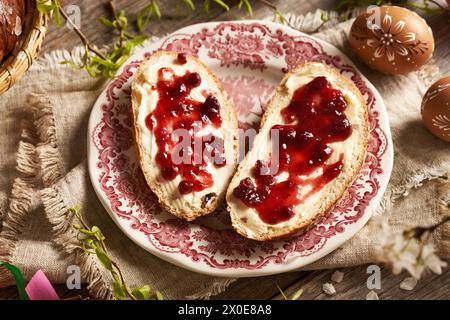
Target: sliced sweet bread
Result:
[310, 146]
[185, 131]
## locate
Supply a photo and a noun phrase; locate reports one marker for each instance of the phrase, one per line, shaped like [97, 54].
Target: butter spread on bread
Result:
[319, 120]
[174, 95]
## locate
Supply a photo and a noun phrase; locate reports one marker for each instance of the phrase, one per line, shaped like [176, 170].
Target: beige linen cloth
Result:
[43, 172]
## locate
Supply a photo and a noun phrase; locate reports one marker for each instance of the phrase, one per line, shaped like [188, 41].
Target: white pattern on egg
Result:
[442, 122]
[390, 42]
[434, 93]
[397, 35]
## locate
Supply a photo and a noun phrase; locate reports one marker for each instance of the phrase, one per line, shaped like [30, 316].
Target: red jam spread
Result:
[314, 119]
[182, 58]
[176, 110]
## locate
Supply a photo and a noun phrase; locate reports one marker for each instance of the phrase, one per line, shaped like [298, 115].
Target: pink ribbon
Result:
[40, 288]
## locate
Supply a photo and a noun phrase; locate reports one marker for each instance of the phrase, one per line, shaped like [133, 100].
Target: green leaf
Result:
[142, 293]
[122, 19]
[206, 4]
[44, 8]
[85, 60]
[324, 17]
[73, 65]
[222, 4]
[137, 40]
[115, 275]
[278, 15]
[57, 13]
[120, 292]
[249, 8]
[115, 52]
[18, 277]
[189, 4]
[75, 211]
[103, 62]
[98, 233]
[159, 295]
[106, 22]
[86, 232]
[156, 10]
[297, 294]
[247, 5]
[121, 61]
[91, 243]
[103, 258]
[143, 17]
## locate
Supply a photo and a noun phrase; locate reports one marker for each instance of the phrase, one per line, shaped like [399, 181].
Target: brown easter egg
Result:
[436, 109]
[392, 40]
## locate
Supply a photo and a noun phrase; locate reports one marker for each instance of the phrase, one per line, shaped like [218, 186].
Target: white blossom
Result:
[329, 289]
[408, 284]
[372, 295]
[403, 251]
[431, 260]
[337, 276]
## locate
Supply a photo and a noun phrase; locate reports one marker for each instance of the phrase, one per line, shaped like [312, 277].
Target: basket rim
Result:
[21, 58]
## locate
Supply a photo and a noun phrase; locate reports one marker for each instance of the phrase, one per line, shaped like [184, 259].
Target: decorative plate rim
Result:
[288, 264]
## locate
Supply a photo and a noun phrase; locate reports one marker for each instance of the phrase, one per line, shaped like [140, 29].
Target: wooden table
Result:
[354, 284]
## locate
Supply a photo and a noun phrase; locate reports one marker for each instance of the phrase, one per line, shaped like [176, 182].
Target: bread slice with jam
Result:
[310, 146]
[185, 131]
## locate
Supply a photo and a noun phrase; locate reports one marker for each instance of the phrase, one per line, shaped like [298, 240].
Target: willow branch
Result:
[119, 27]
[81, 35]
[419, 231]
[438, 5]
[269, 4]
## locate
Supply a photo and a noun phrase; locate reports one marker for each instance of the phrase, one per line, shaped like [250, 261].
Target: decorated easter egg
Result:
[436, 109]
[392, 40]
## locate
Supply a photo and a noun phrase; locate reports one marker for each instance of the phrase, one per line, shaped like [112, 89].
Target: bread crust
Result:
[336, 195]
[190, 213]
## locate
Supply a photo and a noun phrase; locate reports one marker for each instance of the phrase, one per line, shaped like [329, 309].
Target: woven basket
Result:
[27, 48]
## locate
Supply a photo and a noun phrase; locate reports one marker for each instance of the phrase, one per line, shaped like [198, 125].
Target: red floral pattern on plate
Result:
[250, 97]
[210, 240]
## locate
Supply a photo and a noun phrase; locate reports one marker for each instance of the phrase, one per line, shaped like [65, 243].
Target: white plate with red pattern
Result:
[250, 57]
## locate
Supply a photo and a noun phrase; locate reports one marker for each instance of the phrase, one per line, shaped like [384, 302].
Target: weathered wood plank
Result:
[61, 289]
[63, 38]
[260, 287]
[354, 286]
